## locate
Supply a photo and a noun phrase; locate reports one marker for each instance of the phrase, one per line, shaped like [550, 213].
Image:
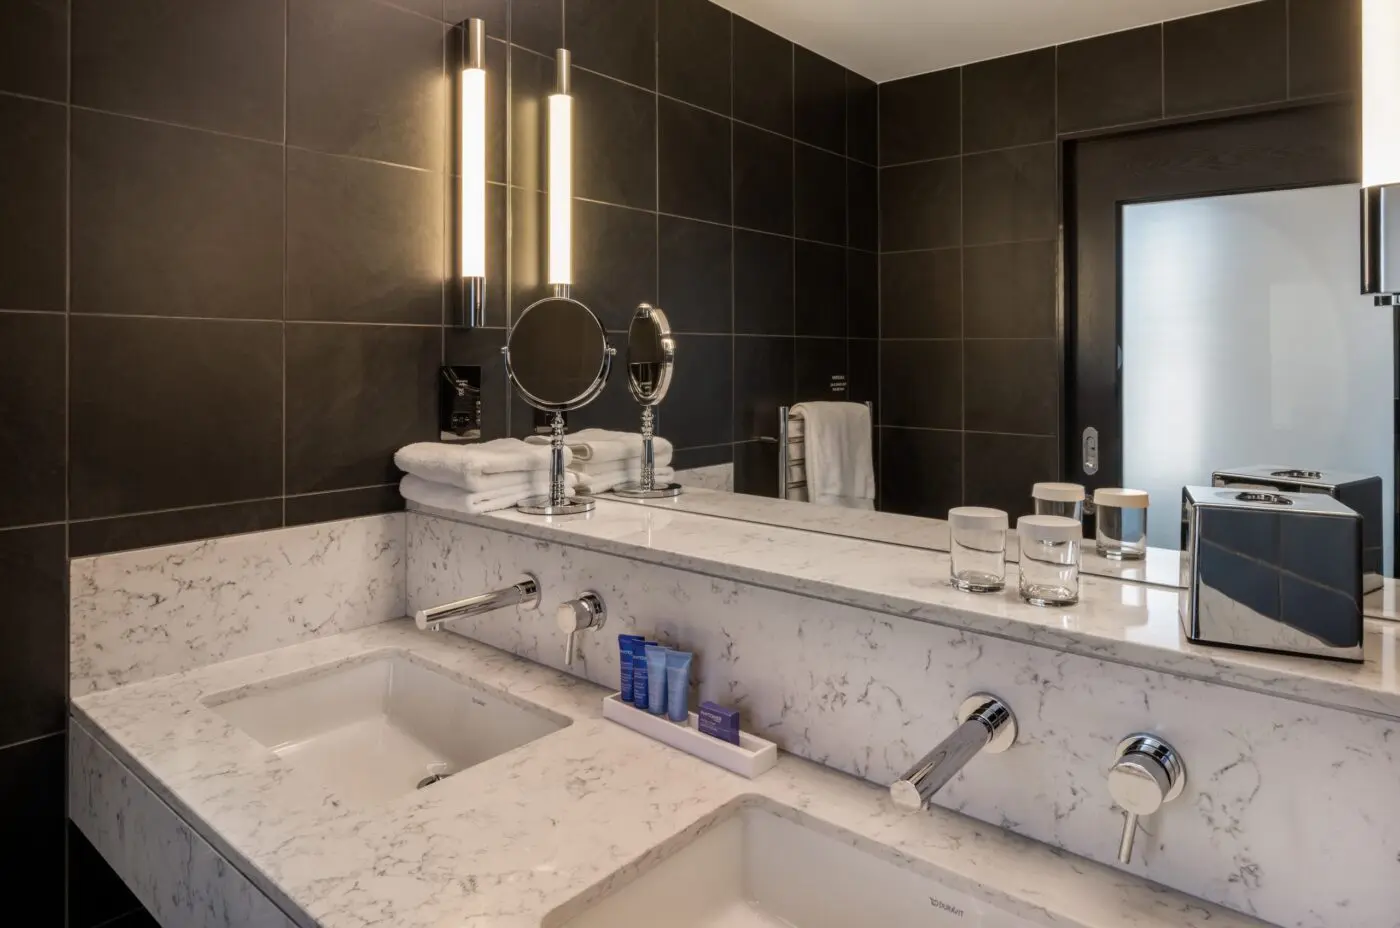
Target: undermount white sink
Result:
[378, 729]
[758, 868]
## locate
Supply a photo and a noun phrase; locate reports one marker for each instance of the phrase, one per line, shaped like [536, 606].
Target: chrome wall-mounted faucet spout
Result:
[986, 724]
[525, 592]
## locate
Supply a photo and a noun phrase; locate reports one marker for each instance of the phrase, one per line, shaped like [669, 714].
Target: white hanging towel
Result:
[840, 468]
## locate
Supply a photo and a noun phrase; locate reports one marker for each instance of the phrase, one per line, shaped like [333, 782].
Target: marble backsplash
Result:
[714, 477]
[142, 614]
[1288, 809]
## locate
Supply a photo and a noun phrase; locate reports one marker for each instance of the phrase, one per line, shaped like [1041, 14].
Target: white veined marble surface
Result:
[141, 614]
[1124, 622]
[554, 822]
[1161, 567]
[1289, 811]
[174, 872]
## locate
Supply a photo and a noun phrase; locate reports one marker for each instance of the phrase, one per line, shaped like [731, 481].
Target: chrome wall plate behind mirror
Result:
[651, 359]
[558, 359]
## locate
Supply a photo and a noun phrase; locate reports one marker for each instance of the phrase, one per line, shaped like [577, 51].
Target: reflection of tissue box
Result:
[1270, 571]
[1362, 494]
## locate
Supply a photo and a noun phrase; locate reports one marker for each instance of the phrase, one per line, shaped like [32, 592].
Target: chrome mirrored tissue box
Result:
[1270, 571]
[1361, 493]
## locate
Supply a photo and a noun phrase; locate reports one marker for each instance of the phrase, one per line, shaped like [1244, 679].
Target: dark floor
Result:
[97, 898]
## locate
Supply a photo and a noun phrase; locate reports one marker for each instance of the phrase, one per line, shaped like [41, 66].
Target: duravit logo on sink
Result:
[945, 907]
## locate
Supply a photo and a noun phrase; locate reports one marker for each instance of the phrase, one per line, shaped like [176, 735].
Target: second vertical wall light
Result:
[561, 132]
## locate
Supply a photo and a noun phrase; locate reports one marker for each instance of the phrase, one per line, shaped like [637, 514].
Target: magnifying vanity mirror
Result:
[558, 359]
[651, 358]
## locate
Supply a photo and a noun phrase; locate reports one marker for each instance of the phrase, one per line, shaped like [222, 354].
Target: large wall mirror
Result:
[1040, 280]
[1208, 318]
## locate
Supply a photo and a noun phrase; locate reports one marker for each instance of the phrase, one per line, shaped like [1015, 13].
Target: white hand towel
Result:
[597, 446]
[840, 469]
[605, 480]
[455, 499]
[467, 466]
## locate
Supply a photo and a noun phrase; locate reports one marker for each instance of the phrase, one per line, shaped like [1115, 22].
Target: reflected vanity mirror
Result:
[651, 358]
[558, 359]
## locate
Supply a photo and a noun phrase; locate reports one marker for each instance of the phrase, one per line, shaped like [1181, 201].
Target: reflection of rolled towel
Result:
[470, 466]
[455, 499]
[609, 479]
[597, 446]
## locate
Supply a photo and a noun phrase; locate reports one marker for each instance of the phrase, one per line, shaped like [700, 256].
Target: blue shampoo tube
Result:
[656, 679]
[639, 676]
[678, 686]
[624, 661]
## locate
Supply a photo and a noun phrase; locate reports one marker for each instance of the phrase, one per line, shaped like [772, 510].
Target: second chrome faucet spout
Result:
[985, 724]
[525, 592]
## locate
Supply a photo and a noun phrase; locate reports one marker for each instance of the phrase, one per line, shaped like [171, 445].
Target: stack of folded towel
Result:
[476, 478]
[603, 460]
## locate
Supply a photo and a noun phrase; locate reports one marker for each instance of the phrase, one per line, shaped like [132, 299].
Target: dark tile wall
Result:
[969, 357]
[226, 263]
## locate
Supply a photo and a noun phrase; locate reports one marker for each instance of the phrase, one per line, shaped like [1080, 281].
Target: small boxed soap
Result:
[719, 722]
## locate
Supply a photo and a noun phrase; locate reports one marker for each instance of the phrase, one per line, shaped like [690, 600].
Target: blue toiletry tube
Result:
[656, 679]
[624, 660]
[639, 676]
[678, 686]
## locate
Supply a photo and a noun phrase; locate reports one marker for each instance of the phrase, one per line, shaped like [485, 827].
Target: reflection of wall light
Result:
[472, 209]
[1380, 150]
[1380, 97]
[561, 181]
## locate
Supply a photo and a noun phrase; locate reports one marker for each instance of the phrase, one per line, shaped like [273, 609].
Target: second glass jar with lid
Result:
[1050, 548]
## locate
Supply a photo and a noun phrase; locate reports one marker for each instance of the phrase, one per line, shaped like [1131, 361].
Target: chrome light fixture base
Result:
[1380, 243]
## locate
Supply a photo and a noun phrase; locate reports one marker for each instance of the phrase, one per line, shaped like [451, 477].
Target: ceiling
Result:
[888, 39]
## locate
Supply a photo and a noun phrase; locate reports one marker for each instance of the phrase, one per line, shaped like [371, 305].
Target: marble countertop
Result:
[1130, 623]
[504, 843]
[1161, 567]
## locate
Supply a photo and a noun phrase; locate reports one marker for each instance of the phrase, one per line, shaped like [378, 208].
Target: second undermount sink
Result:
[382, 727]
[761, 866]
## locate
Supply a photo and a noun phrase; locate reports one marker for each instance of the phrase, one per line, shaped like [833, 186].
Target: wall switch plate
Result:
[459, 403]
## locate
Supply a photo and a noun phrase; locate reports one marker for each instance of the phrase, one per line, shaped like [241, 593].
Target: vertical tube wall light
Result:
[1380, 151]
[561, 180]
[472, 152]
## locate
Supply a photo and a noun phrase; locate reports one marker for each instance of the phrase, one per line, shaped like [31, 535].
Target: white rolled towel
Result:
[605, 480]
[473, 467]
[599, 446]
[455, 499]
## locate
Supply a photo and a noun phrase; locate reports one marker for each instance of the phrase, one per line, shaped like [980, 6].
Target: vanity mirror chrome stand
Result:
[651, 359]
[558, 359]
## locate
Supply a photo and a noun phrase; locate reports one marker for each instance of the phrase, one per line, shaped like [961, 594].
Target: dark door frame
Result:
[1301, 145]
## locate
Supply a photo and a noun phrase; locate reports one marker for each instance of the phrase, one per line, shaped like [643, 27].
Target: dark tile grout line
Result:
[67, 411]
[67, 404]
[91, 520]
[286, 246]
[116, 921]
[962, 286]
[56, 733]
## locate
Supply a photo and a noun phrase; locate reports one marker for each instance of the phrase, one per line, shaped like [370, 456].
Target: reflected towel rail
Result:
[792, 452]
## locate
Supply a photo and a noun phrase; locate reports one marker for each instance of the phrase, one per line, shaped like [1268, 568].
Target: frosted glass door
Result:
[1245, 342]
